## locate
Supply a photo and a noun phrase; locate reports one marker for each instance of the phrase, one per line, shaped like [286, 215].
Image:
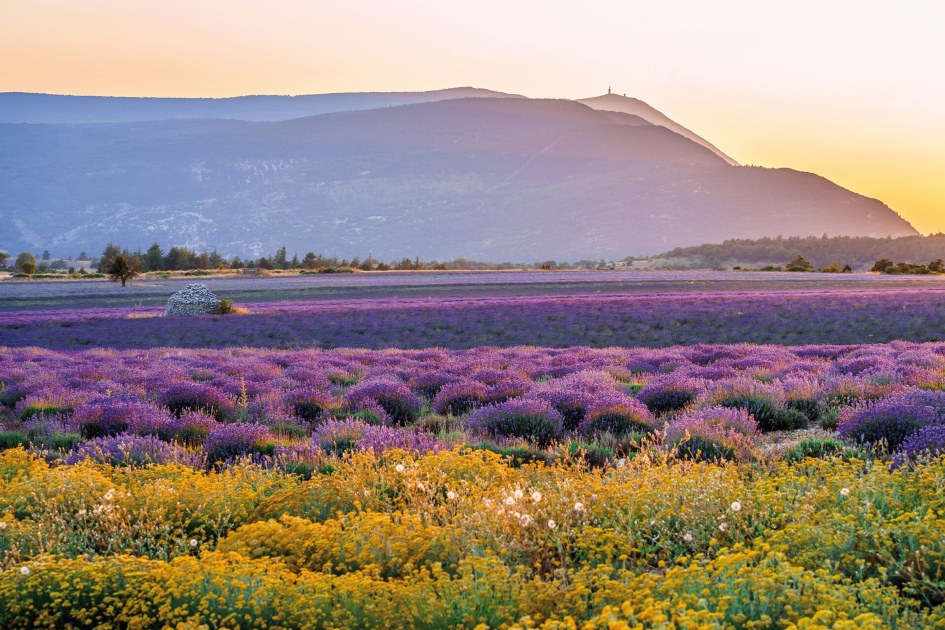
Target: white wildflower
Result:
[723, 527]
[3, 525]
[451, 495]
[421, 487]
[578, 507]
[193, 542]
[24, 570]
[526, 519]
[518, 494]
[736, 506]
[399, 468]
[536, 496]
[687, 538]
[844, 491]
[510, 500]
[551, 524]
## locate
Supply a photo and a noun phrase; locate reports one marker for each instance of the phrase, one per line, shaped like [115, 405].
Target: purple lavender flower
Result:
[191, 396]
[124, 450]
[401, 404]
[381, 439]
[113, 415]
[670, 393]
[192, 427]
[927, 441]
[229, 441]
[616, 413]
[339, 436]
[889, 421]
[714, 433]
[460, 397]
[532, 419]
[311, 405]
[429, 383]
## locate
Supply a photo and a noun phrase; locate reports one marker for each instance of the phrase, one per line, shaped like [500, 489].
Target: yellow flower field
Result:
[462, 539]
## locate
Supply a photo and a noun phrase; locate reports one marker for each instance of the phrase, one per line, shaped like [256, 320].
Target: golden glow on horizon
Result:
[848, 89]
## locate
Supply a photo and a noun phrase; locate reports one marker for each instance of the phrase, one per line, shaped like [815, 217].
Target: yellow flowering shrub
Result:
[390, 544]
[462, 539]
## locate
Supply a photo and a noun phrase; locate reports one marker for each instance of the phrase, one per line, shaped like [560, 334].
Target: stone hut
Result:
[194, 299]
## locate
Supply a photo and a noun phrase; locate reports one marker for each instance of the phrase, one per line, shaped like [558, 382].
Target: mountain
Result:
[485, 178]
[21, 107]
[617, 103]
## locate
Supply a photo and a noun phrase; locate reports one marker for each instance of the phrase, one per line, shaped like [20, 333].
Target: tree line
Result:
[858, 251]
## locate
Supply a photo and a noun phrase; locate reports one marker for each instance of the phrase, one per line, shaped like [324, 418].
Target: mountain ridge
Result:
[484, 178]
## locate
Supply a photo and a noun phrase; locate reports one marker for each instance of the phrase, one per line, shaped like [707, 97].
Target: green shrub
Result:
[818, 448]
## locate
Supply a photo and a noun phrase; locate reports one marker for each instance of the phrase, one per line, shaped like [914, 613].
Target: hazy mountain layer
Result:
[21, 107]
[496, 179]
[616, 103]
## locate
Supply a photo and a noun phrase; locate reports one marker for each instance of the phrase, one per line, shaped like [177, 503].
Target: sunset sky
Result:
[850, 89]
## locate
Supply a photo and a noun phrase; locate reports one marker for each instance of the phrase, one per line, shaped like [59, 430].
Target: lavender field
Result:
[521, 460]
[595, 320]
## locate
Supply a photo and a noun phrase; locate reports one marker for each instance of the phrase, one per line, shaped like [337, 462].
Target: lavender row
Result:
[793, 318]
[217, 405]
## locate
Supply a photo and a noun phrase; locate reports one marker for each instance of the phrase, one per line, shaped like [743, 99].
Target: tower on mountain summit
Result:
[608, 89]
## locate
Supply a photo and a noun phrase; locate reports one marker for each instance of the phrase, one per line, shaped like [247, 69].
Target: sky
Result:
[853, 90]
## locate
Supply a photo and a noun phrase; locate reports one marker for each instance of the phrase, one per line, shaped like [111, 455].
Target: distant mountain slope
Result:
[490, 179]
[20, 107]
[626, 105]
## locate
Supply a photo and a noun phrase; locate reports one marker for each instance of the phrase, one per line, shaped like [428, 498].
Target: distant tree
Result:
[26, 263]
[177, 258]
[279, 260]
[367, 265]
[937, 266]
[108, 254]
[263, 263]
[881, 265]
[236, 263]
[294, 263]
[847, 269]
[83, 256]
[122, 268]
[833, 267]
[43, 267]
[799, 264]
[154, 258]
[3, 258]
[310, 261]
[46, 254]
[216, 260]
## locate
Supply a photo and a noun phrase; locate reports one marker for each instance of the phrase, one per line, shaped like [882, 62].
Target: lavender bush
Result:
[230, 441]
[393, 396]
[137, 450]
[532, 419]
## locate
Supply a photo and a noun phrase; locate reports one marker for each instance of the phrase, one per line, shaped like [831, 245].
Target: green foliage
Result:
[799, 264]
[818, 448]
